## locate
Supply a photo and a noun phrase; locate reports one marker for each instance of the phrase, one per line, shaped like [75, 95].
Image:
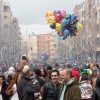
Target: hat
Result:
[85, 71]
[11, 69]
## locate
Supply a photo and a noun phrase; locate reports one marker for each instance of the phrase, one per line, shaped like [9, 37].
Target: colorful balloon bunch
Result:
[64, 24]
[45, 56]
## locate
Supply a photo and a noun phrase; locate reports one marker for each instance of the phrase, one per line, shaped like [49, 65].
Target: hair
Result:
[84, 77]
[54, 71]
[98, 82]
[69, 66]
[97, 66]
[49, 68]
[56, 64]
[37, 71]
[16, 76]
[69, 72]
[25, 73]
[94, 74]
[24, 58]
[44, 70]
[2, 76]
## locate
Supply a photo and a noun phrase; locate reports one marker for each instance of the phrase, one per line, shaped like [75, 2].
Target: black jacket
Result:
[3, 89]
[96, 94]
[38, 79]
[25, 89]
[50, 92]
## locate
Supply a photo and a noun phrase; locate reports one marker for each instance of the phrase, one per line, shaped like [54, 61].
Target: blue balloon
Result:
[66, 32]
[68, 21]
[57, 11]
[63, 29]
[73, 17]
[64, 22]
[64, 37]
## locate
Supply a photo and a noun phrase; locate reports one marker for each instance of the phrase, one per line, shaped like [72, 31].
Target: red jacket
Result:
[75, 73]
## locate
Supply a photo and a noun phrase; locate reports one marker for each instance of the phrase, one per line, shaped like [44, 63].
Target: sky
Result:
[31, 13]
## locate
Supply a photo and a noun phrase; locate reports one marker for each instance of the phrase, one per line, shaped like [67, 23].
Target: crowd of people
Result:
[45, 82]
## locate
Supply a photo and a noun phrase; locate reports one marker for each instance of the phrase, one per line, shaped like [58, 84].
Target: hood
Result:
[74, 81]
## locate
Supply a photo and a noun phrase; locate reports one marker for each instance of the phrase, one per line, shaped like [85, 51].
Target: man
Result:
[51, 89]
[25, 88]
[56, 66]
[75, 72]
[70, 89]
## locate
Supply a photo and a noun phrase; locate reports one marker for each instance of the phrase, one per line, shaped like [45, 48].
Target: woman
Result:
[3, 87]
[86, 88]
[44, 75]
[96, 91]
[12, 88]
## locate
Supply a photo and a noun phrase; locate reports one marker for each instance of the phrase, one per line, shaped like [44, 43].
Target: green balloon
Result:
[68, 16]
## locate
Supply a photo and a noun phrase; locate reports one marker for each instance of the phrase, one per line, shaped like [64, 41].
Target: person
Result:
[44, 75]
[75, 73]
[95, 79]
[51, 89]
[12, 88]
[25, 87]
[70, 89]
[37, 76]
[96, 91]
[56, 66]
[86, 88]
[3, 87]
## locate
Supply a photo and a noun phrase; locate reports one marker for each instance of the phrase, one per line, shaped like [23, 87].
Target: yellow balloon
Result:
[50, 17]
[58, 27]
[79, 27]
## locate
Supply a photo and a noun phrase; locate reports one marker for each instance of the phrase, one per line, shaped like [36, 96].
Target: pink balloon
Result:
[63, 13]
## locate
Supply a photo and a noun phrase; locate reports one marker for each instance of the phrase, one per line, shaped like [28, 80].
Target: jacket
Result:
[50, 92]
[72, 91]
[25, 89]
[3, 89]
[75, 73]
[86, 89]
[96, 94]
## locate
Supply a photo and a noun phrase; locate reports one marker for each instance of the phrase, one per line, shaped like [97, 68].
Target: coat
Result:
[3, 89]
[25, 89]
[50, 92]
[86, 89]
[96, 94]
[72, 91]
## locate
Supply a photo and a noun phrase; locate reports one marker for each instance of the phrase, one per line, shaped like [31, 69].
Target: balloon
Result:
[73, 17]
[58, 27]
[64, 22]
[64, 37]
[67, 16]
[72, 33]
[79, 27]
[63, 13]
[66, 32]
[63, 29]
[50, 17]
[50, 13]
[53, 25]
[56, 11]
[58, 17]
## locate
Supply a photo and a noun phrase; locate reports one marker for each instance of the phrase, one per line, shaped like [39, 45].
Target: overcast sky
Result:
[31, 13]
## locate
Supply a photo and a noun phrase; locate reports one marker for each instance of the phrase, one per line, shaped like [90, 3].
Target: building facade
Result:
[45, 42]
[87, 43]
[10, 35]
